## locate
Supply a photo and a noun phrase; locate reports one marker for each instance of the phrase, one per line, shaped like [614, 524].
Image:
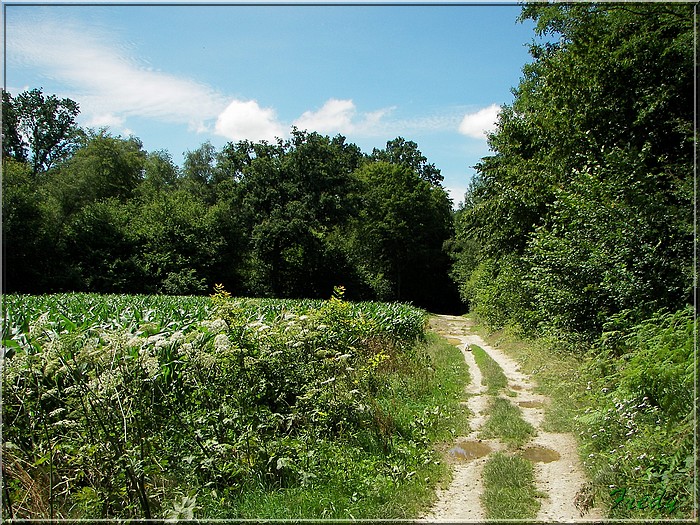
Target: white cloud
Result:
[342, 116]
[109, 84]
[102, 72]
[334, 116]
[105, 120]
[477, 124]
[247, 120]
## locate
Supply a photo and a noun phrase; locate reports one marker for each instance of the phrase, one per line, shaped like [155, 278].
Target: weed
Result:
[509, 488]
[505, 422]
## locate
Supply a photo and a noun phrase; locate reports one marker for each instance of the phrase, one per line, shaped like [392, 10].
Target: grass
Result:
[556, 372]
[506, 423]
[357, 486]
[509, 491]
[492, 374]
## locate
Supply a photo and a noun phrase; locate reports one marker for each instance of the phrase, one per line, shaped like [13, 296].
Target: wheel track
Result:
[561, 479]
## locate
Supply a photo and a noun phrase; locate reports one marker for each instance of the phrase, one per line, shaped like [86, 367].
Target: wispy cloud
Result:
[479, 123]
[342, 116]
[110, 84]
[334, 116]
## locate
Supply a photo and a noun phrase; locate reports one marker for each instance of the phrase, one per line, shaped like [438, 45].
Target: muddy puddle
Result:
[468, 450]
[540, 454]
[531, 404]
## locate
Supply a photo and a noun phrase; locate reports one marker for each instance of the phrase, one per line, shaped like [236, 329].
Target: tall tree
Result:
[39, 129]
[397, 238]
[596, 145]
[406, 153]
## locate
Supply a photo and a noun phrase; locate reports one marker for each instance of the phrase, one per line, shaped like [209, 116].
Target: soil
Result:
[558, 472]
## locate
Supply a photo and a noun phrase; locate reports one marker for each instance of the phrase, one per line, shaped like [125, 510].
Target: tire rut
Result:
[557, 467]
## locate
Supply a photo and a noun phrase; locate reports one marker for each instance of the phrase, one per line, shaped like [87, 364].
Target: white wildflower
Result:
[38, 326]
[154, 339]
[57, 412]
[206, 360]
[215, 326]
[151, 365]
[221, 343]
[188, 349]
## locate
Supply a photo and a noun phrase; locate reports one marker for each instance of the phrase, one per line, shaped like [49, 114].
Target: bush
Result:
[638, 434]
[496, 294]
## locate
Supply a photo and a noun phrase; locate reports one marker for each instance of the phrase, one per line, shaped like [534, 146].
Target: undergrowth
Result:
[173, 408]
[628, 399]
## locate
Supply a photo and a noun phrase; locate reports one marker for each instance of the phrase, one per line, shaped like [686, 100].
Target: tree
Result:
[160, 172]
[105, 167]
[293, 195]
[23, 224]
[406, 153]
[397, 238]
[177, 243]
[39, 129]
[590, 184]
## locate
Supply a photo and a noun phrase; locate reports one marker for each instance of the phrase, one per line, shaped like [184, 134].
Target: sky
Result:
[177, 76]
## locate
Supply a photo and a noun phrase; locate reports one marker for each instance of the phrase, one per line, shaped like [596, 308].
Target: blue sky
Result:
[178, 76]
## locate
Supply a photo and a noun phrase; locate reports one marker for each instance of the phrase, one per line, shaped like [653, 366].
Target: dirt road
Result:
[558, 472]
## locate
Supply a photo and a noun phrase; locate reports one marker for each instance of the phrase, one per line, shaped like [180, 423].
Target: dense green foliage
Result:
[585, 209]
[87, 211]
[166, 407]
[639, 427]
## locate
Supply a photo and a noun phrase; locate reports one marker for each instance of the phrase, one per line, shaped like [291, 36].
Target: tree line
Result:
[84, 210]
[583, 216]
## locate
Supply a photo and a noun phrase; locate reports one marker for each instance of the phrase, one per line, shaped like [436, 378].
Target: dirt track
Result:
[557, 468]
